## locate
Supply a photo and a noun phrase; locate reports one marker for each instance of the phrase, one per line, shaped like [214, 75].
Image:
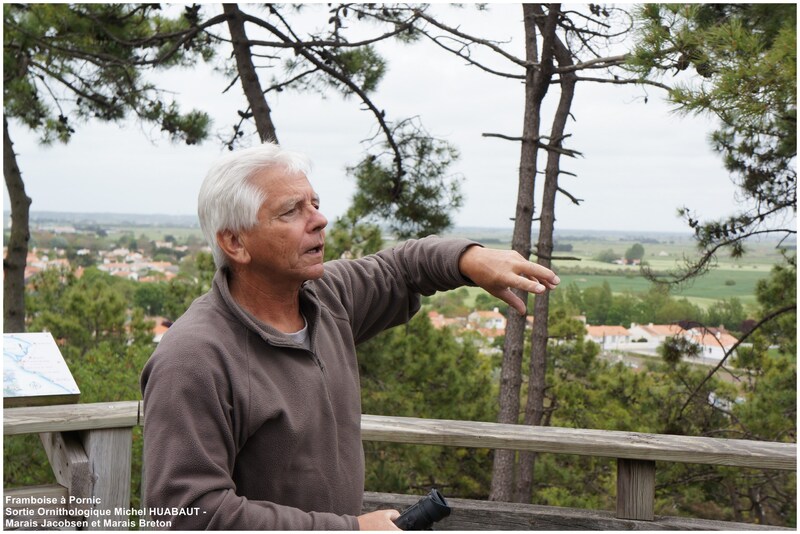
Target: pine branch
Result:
[309, 54]
[769, 317]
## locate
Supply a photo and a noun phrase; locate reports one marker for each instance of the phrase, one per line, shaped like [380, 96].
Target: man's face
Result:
[287, 244]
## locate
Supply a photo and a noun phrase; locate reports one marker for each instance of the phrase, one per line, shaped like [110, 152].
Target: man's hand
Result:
[500, 271]
[378, 520]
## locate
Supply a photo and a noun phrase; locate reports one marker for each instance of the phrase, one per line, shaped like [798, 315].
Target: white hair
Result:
[228, 199]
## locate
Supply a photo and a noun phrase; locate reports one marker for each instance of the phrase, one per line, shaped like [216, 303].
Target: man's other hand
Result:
[500, 271]
[378, 520]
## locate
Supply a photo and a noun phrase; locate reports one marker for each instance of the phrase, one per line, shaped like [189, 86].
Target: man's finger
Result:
[526, 283]
[508, 296]
[544, 276]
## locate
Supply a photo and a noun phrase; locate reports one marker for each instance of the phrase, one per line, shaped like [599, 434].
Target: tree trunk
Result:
[733, 496]
[247, 74]
[17, 255]
[536, 85]
[534, 409]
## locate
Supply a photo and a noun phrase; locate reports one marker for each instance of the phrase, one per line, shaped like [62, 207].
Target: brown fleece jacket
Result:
[246, 430]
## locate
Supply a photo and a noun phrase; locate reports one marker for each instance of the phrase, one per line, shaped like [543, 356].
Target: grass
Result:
[704, 292]
[729, 278]
[715, 285]
[663, 252]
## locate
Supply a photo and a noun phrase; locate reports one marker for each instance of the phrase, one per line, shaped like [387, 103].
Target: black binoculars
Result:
[422, 515]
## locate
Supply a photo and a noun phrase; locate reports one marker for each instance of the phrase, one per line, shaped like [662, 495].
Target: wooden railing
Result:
[90, 450]
[89, 447]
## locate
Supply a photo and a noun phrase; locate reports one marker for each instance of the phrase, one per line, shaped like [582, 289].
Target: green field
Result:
[728, 278]
[663, 252]
[704, 292]
[714, 285]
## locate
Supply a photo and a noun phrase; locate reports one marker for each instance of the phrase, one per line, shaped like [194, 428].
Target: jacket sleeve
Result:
[190, 449]
[382, 290]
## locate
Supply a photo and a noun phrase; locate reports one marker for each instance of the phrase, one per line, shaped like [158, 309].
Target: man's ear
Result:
[232, 246]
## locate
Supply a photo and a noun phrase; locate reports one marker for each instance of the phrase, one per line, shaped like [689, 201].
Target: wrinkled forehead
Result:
[282, 186]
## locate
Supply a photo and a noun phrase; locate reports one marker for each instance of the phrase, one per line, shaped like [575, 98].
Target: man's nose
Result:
[318, 220]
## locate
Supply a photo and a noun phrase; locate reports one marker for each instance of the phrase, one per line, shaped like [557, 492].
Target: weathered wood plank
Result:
[485, 515]
[67, 417]
[69, 462]
[606, 443]
[636, 489]
[110, 451]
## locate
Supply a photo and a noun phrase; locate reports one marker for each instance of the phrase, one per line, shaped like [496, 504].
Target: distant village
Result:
[638, 339]
[121, 262]
[118, 261]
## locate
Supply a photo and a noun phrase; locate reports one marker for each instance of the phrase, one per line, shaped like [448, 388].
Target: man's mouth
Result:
[316, 250]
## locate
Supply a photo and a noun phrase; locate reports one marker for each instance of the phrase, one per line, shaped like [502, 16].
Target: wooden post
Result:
[109, 452]
[636, 489]
[70, 465]
[69, 461]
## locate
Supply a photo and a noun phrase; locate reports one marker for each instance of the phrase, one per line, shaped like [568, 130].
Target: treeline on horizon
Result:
[89, 220]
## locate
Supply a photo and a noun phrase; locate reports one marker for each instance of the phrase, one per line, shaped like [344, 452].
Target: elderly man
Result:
[252, 400]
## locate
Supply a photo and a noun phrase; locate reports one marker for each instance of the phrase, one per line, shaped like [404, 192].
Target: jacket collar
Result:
[309, 306]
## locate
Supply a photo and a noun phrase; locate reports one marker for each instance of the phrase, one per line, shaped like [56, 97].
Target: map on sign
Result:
[34, 372]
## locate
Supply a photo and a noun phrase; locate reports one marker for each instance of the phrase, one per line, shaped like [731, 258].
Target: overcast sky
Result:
[640, 163]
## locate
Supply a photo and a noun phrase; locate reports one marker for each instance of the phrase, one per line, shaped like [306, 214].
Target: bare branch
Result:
[279, 86]
[492, 45]
[572, 27]
[471, 61]
[574, 200]
[503, 136]
[564, 258]
[233, 82]
[325, 43]
[597, 63]
[333, 73]
[626, 81]
[539, 143]
[559, 150]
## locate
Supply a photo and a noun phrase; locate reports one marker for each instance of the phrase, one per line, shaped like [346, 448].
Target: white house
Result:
[491, 320]
[713, 342]
[645, 339]
[609, 337]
